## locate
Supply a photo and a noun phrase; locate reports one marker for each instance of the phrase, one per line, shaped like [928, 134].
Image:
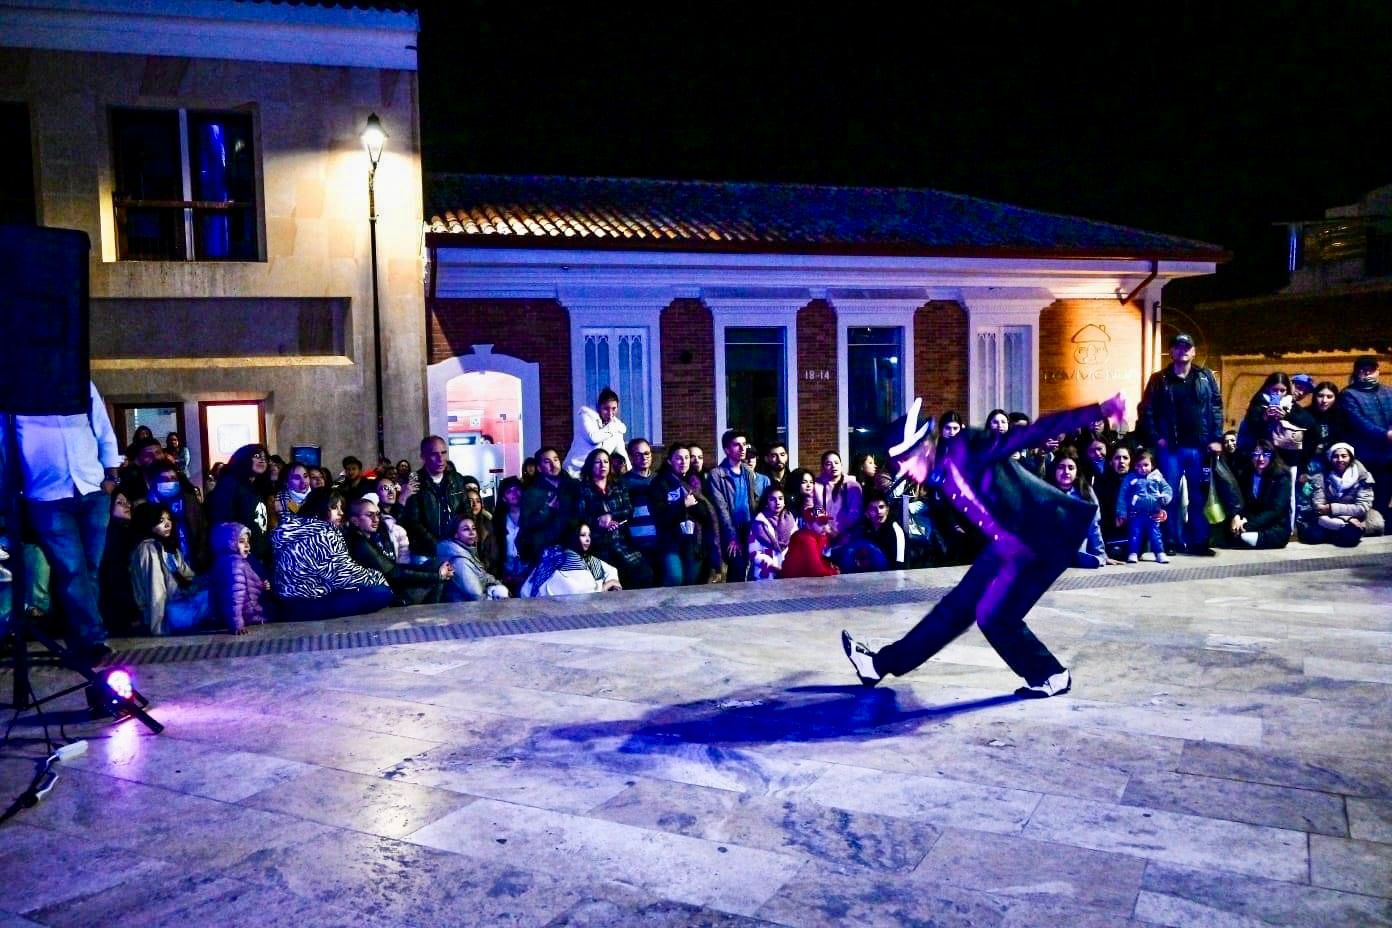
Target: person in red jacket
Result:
[806, 549]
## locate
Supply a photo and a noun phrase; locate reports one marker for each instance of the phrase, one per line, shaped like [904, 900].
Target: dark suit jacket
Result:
[1006, 503]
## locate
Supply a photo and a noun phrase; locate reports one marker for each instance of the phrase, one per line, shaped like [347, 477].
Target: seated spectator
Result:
[507, 525]
[618, 464]
[384, 468]
[838, 495]
[599, 427]
[170, 488]
[1262, 517]
[174, 447]
[1094, 462]
[275, 466]
[1341, 511]
[548, 506]
[371, 546]
[115, 598]
[684, 518]
[430, 511]
[1144, 493]
[170, 597]
[315, 578]
[603, 503]
[998, 422]
[529, 471]
[483, 520]
[878, 541]
[570, 568]
[806, 554]
[770, 534]
[237, 498]
[470, 580]
[353, 482]
[239, 582]
[141, 453]
[950, 424]
[294, 487]
[403, 471]
[141, 433]
[802, 494]
[320, 478]
[1068, 477]
[388, 504]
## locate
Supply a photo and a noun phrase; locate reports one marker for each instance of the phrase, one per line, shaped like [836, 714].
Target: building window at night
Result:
[756, 383]
[874, 385]
[185, 185]
[1004, 372]
[618, 358]
[18, 205]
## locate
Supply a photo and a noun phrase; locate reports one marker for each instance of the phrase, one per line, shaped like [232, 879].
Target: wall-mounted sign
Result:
[815, 374]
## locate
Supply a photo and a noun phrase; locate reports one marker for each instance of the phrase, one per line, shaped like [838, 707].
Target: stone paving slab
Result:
[702, 757]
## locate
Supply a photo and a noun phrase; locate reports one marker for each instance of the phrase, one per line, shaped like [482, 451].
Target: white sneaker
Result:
[1133, 558]
[1160, 558]
[862, 659]
[1056, 685]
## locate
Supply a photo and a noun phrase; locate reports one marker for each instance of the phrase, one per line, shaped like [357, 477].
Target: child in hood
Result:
[239, 584]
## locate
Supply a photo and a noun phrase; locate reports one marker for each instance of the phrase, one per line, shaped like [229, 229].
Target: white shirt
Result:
[63, 454]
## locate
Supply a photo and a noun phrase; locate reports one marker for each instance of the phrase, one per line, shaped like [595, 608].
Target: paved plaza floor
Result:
[704, 757]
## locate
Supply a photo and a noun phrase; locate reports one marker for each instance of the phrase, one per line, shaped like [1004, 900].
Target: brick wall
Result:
[688, 374]
[940, 358]
[816, 350]
[533, 330]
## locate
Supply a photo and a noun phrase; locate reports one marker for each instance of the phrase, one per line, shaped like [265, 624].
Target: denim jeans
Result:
[679, 568]
[72, 534]
[336, 605]
[1185, 530]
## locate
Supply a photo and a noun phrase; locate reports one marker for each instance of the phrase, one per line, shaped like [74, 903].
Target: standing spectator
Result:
[548, 506]
[442, 495]
[599, 427]
[603, 503]
[140, 454]
[507, 528]
[698, 460]
[684, 519]
[171, 598]
[315, 578]
[141, 433]
[372, 548]
[1365, 422]
[868, 474]
[1183, 414]
[114, 595]
[1143, 494]
[1107, 489]
[236, 499]
[642, 528]
[774, 465]
[1273, 415]
[770, 534]
[470, 580]
[735, 490]
[1322, 418]
[275, 466]
[838, 495]
[529, 471]
[1342, 509]
[174, 447]
[1262, 517]
[66, 459]
[239, 582]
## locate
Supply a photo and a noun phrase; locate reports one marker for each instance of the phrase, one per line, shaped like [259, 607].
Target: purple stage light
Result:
[121, 681]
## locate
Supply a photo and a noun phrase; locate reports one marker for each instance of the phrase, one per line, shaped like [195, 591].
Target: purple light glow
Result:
[121, 682]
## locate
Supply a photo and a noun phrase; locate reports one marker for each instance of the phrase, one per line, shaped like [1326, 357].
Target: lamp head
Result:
[374, 137]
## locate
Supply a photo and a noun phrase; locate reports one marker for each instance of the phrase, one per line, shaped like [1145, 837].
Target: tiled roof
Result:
[388, 6]
[599, 212]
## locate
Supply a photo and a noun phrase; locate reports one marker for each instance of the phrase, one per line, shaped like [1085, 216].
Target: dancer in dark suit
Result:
[1030, 529]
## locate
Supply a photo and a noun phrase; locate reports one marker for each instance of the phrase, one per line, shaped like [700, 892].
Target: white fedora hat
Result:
[914, 431]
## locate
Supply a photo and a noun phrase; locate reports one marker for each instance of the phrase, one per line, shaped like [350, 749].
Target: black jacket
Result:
[542, 524]
[412, 583]
[428, 511]
[1159, 418]
[1268, 510]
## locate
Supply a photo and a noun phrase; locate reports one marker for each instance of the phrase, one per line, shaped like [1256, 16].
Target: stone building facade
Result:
[244, 312]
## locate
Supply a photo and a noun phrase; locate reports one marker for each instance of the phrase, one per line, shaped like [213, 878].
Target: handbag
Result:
[1213, 509]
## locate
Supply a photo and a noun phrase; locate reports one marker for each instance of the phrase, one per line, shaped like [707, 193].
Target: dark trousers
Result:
[996, 593]
[336, 605]
[72, 534]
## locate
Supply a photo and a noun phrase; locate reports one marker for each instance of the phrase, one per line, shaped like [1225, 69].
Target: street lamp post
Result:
[374, 137]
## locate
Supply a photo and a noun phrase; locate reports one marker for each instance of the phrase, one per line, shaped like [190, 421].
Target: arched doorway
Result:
[488, 409]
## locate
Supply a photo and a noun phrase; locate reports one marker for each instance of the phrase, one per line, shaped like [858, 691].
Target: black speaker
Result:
[45, 349]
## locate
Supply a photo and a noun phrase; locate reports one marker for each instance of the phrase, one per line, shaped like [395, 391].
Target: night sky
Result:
[1209, 120]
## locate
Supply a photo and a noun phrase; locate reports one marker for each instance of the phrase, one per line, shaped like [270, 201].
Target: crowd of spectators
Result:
[268, 540]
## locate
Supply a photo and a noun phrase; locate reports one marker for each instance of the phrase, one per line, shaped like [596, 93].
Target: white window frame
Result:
[995, 312]
[882, 316]
[764, 317]
[997, 399]
[599, 316]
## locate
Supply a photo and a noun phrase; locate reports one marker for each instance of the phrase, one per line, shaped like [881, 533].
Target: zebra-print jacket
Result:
[311, 560]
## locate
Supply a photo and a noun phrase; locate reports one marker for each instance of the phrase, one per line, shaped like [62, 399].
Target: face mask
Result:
[298, 495]
[167, 488]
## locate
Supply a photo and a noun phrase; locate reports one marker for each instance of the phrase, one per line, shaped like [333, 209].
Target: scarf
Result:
[558, 558]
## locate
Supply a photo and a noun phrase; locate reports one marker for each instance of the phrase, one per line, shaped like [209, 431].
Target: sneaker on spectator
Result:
[1160, 558]
[1133, 558]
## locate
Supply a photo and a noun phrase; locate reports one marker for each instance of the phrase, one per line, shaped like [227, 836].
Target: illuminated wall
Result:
[1089, 350]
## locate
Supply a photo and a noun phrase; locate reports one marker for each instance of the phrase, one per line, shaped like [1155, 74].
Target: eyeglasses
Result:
[1260, 453]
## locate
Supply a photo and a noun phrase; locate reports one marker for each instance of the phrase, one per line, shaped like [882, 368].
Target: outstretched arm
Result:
[1070, 420]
